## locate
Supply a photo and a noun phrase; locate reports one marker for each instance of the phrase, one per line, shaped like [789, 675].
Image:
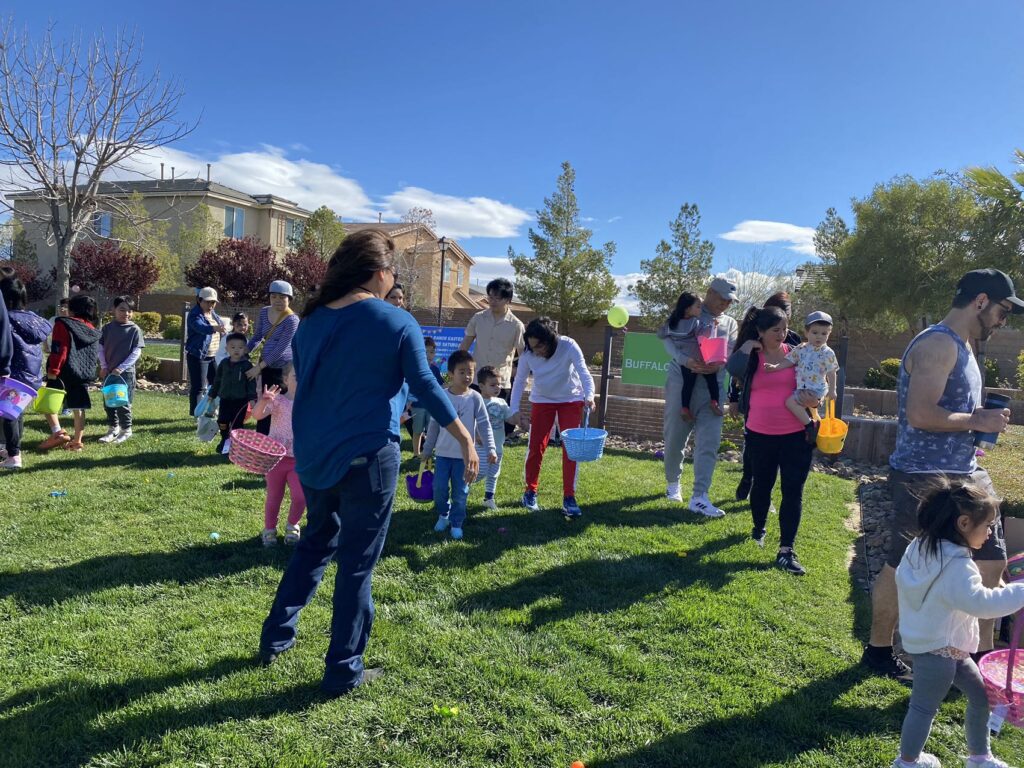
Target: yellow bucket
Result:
[832, 431]
[49, 400]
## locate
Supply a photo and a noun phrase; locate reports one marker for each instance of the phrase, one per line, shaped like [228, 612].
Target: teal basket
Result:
[115, 391]
[584, 443]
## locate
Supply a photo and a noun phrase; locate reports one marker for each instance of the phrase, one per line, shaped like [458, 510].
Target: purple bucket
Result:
[15, 397]
[420, 486]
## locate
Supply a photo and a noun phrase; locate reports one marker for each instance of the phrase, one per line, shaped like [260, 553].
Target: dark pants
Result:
[269, 377]
[771, 456]
[13, 430]
[690, 379]
[347, 523]
[122, 417]
[230, 415]
[201, 373]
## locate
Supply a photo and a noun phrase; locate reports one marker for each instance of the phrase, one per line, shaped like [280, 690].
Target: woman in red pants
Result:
[562, 387]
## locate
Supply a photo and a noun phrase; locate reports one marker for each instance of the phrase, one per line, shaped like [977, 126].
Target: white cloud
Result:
[588, 219]
[489, 267]
[613, 219]
[460, 216]
[800, 239]
[312, 184]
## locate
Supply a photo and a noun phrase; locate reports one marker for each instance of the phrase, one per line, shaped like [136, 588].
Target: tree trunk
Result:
[63, 284]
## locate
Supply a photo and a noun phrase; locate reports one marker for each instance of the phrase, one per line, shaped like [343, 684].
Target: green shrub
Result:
[149, 322]
[992, 373]
[597, 360]
[172, 327]
[732, 425]
[147, 365]
[727, 445]
[883, 377]
[1020, 370]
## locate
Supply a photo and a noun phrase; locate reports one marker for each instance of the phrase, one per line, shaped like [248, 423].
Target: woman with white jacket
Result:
[941, 598]
[562, 387]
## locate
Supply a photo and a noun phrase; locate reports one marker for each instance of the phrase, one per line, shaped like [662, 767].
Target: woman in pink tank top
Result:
[775, 440]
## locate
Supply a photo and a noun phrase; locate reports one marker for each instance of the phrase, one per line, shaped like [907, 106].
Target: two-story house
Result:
[274, 220]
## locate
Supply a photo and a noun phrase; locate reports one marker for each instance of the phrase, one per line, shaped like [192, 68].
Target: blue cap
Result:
[281, 286]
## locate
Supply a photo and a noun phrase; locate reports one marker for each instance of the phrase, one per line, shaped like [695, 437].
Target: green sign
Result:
[644, 360]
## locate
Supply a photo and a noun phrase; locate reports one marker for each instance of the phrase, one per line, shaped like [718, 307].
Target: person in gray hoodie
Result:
[941, 597]
[28, 332]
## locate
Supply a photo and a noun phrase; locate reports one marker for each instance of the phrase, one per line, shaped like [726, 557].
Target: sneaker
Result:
[75, 446]
[788, 562]
[3, 454]
[530, 501]
[686, 414]
[111, 434]
[702, 506]
[268, 657]
[924, 760]
[743, 489]
[55, 440]
[66, 413]
[887, 664]
[758, 537]
[122, 437]
[672, 493]
[457, 534]
[292, 534]
[570, 508]
[989, 762]
[369, 675]
[226, 448]
[269, 537]
[490, 504]
[441, 525]
[11, 462]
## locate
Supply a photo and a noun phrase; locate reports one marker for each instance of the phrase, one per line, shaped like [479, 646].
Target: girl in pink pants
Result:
[278, 405]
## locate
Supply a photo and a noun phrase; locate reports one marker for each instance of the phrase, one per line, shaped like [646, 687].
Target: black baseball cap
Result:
[995, 284]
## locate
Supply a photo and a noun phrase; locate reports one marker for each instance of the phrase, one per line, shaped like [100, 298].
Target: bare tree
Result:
[409, 260]
[757, 277]
[70, 112]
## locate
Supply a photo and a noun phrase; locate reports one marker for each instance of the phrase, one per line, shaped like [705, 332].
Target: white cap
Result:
[208, 294]
[725, 288]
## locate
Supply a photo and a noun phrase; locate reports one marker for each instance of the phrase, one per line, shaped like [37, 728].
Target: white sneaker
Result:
[123, 436]
[227, 447]
[11, 462]
[992, 762]
[490, 504]
[702, 506]
[672, 493]
[111, 435]
[924, 760]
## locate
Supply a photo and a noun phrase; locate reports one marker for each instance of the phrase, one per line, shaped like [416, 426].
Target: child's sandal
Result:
[269, 537]
[292, 534]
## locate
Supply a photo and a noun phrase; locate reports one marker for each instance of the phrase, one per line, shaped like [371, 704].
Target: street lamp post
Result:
[442, 244]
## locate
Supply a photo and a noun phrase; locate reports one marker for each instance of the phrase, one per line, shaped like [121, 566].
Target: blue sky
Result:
[768, 112]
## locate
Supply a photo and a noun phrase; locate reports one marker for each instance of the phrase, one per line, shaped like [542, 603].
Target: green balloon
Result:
[618, 316]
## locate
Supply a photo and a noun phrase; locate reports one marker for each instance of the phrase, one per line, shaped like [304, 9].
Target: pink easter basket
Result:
[713, 349]
[254, 452]
[1001, 670]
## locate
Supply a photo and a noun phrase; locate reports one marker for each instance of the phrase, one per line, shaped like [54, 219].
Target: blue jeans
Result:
[450, 473]
[201, 373]
[347, 523]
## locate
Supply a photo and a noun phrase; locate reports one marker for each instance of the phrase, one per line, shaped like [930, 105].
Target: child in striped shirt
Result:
[498, 412]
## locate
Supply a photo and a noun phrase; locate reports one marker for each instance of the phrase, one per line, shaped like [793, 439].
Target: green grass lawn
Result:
[637, 636]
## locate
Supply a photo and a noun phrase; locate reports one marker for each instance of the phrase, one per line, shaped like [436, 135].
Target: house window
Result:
[280, 232]
[447, 276]
[458, 277]
[234, 222]
[294, 229]
[101, 224]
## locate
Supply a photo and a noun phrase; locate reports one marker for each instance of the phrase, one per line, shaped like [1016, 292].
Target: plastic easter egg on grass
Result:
[659, 454]
[618, 316]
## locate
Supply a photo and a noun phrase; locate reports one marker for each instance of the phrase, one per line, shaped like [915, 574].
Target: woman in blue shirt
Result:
[356, 358]
[202, 324]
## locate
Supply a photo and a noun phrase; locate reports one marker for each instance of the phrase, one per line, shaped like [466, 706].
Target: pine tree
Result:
[682, 266]
[565, 278]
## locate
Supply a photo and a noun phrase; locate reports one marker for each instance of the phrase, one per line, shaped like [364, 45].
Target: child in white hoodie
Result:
[941, 598]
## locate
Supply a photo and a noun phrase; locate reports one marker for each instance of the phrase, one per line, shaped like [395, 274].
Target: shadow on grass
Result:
[609, 585]
[182, 566]
[490, 535]
[809, 718]
[126, 461]
[81, 719]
